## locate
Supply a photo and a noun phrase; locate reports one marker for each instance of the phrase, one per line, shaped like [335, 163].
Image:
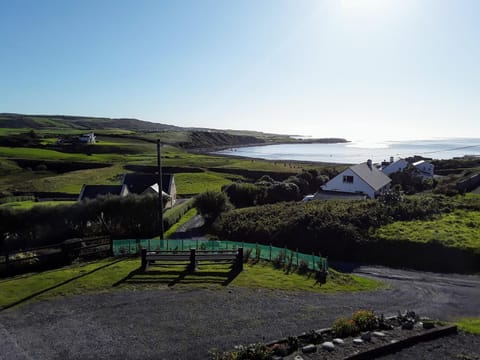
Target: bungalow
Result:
[394, 166]
[424, 169]
[134, 184]
[148, 183]
[87, 138]
[363, 178]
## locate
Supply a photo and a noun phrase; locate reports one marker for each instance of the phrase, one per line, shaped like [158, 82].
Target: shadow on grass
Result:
[179, 276]
[29, 297]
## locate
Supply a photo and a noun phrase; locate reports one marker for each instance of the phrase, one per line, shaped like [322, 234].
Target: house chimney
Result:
[391, 159]
[369, 163]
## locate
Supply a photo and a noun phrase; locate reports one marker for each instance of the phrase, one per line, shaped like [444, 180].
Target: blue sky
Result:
[360, 69]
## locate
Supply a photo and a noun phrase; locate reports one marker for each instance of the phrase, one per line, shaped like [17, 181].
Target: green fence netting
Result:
[265, 252]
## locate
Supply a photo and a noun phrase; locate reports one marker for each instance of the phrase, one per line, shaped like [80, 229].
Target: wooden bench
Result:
[192, 258]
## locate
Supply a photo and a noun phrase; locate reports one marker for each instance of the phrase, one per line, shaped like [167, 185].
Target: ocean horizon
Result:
[360, 151]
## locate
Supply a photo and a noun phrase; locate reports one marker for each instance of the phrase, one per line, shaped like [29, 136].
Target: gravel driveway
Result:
[180, 324]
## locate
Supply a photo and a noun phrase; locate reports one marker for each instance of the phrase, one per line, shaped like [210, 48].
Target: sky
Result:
[357, 69]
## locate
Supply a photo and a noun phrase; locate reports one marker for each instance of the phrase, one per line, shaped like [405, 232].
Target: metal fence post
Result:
[297, 256]
[239, 262]
[192, 265]
[270, 252]
[144, 259]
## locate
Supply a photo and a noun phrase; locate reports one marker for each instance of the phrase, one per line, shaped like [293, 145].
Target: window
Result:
[348, 179]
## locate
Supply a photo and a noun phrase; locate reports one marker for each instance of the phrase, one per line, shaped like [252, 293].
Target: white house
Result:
[424, 169]
[363, 178]
[395, 166]
[87, 138]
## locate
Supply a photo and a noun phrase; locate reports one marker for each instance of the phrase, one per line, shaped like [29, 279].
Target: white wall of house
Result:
[425, 169]
[396, 166]
[348, 181]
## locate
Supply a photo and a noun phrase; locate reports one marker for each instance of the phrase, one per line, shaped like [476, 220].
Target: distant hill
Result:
[189, 138]
[38, 122]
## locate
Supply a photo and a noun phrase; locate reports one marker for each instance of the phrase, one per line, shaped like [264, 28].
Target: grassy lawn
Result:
[470, 325]
[194, 183]
[110, 274]
[459, 229]
[30, 204]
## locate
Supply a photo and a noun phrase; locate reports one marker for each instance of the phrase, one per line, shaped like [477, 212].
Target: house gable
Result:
[360, 179]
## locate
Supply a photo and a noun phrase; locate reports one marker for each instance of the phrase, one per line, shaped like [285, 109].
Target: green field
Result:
[460, 229]
[111, 274]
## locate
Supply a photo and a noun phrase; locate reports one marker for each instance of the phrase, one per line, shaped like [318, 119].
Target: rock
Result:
[378, 334]
[338, 341]
[310, 348]
[327, 345]
[407, 326]
[366, 336]
[358, 341]
[297, 357]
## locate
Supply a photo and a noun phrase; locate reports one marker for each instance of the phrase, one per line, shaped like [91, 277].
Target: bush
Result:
[241, 352]
[210, 204]
[365, 320]
[343, 327]
[303, 267]
[242, 194]
[279, 261]
[281, 192]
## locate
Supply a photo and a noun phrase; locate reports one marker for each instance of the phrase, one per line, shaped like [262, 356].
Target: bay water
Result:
[357, 152]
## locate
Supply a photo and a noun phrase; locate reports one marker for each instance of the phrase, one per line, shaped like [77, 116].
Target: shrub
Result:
[242, 194]
[241, 352]
[279, 260]
[365, 320]
[343, 327]
[303, 267]
[210, 204]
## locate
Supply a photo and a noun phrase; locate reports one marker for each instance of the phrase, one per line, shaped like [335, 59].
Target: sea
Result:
[360, 151]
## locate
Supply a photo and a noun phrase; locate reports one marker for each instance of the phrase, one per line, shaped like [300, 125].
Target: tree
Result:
[210, 204]
[242, 194]
[281, 192]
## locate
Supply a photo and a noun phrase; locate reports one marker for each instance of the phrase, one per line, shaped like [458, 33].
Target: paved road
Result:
[179, 324]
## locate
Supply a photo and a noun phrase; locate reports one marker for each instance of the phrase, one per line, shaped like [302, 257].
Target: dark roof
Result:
[92, 191]
[138, 183]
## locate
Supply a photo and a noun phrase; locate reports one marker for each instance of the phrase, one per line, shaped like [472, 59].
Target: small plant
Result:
[241, 352]
[343, 327]
[258, 252]
[365, 320]
[289, 262]
[279, 260]
[302, 268]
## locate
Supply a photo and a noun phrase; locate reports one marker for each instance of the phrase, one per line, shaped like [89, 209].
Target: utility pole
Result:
[160, 190]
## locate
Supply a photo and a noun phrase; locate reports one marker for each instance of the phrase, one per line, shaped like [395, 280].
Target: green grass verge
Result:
[470, 325]
[110, 274]
[30, 204]
[188, 215]
[458, 229]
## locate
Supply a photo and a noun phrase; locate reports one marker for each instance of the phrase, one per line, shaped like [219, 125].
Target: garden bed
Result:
[384, 336]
